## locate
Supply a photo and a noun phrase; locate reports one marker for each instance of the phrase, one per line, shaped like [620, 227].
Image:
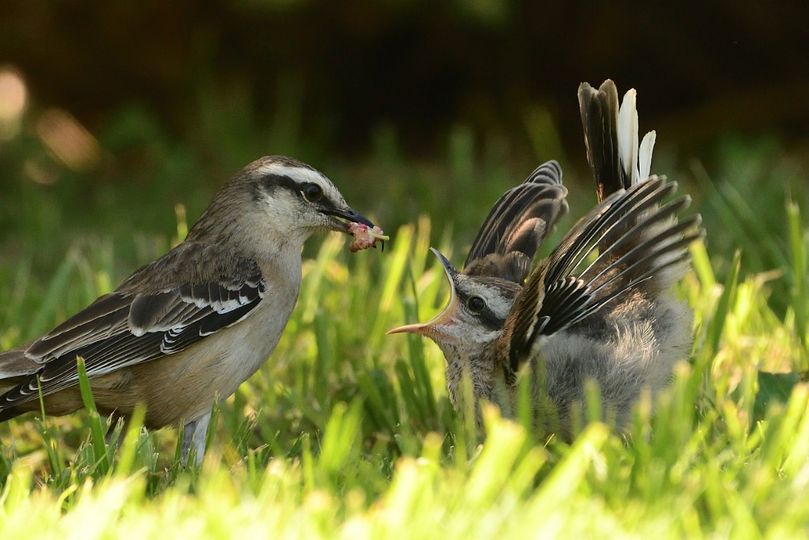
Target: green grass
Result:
[346, 432]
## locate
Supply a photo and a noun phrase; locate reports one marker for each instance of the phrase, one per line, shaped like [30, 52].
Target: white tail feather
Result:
[628, 135]
[647, 146]
[636, 163]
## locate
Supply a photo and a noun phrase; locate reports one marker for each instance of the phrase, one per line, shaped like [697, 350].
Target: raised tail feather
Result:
[611, 138]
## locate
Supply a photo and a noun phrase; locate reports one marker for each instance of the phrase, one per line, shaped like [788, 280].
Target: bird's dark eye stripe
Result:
[490, 320]
[486, 317]
[270, 182]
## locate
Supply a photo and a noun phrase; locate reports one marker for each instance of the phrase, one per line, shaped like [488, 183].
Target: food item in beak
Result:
[364, 236]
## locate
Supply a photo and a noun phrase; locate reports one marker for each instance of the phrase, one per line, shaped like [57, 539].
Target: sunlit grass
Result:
[346, 432]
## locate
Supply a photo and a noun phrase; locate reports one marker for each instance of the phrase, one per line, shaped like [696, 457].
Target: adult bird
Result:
[599, 307]
[191, 326]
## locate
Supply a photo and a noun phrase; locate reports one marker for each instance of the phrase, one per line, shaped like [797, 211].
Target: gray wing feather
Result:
[145, 319]
[516, 225]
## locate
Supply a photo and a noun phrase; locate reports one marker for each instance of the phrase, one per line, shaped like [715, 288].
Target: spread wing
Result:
[628, 242]
[153, 314]
[516, 225]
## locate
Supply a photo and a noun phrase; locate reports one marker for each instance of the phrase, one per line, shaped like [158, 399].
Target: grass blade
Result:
[97, 425]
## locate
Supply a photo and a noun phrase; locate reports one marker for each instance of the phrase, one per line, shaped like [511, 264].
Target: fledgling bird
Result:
[191, 326]
[599, 307]
[498, 263]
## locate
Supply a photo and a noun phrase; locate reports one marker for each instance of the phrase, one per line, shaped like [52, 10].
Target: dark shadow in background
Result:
[412, 107]
[701, 68]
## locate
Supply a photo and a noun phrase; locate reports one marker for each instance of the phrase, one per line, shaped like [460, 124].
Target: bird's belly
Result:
[182, 386]
[630, 353]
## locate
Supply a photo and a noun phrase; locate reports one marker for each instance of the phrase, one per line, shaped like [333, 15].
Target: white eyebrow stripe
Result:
[299, 174]
[499, 305]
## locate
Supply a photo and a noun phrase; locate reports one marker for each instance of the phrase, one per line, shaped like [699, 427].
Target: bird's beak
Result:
[447, 315]
[346, 216]
[415, 328]
[449, 270]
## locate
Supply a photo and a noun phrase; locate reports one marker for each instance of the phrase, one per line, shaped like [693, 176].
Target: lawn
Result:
[346, 432]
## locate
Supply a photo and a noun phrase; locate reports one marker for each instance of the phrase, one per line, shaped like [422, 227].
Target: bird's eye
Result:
[475, 304]
[312, 192]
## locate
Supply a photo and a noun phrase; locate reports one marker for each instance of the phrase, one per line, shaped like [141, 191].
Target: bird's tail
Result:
[611, 138]
[14, 365]
[8, 414]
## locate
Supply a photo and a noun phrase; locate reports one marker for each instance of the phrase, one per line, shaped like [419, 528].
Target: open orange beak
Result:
[432, 327]
[445, 317]
[415, 328]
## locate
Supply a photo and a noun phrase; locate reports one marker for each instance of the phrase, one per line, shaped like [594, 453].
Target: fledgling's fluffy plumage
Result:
[191, 326]
[599, 307]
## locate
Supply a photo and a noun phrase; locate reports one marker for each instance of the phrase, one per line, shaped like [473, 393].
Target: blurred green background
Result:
[113, 112]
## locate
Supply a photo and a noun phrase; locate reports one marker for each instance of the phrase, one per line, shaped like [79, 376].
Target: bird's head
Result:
[281, 198]
[468, 328]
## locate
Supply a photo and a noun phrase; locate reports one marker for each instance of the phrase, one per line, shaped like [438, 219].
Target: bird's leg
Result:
[194, 433]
